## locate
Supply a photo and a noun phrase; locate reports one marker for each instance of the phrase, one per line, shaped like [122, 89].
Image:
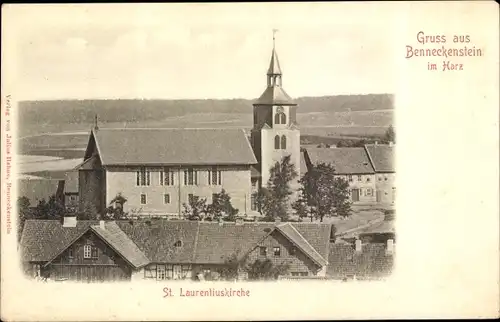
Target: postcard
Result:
[237, 161]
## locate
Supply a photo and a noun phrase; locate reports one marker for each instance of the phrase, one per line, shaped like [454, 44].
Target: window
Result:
[253, 202]
[280, 118]
[385, 178]
[350, 177]
[95, 254]
[214, 176]
[277, 251]
[162, 272]
[360, 178]
[299, 273]
[143, 199]
[143, 177]
[283, 142]
[167, 177]
[190, 177]
[178, 243]
[369, 192]
[277, 142]
[150, 271]
[70, 252]
[368, 179]
[166, 198]
[379, 178]
[87, 251]
[293, 250]
[263, 251]
[186, 271]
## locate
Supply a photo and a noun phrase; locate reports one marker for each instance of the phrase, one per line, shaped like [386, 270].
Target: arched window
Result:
[276, 142]
[283, 142]
[280, 118]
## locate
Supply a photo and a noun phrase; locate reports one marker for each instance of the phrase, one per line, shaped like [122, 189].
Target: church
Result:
[158, 170]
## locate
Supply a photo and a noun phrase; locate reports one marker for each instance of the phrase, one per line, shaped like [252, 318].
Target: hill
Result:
[125, 110]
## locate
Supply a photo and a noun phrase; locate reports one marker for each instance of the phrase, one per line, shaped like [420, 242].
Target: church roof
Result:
[274, 65]
[173, 147]
[275, 95]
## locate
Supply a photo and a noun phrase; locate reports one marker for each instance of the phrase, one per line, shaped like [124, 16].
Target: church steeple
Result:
[274, 72]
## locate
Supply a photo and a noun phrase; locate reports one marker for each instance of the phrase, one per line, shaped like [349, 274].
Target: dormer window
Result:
[178, 244]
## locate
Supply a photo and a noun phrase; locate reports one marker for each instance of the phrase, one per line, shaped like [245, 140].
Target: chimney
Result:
[69, 221]
[376, 142]
[391, 143]
[101, 224]
[358, 246]
[390, 247]
[277, 221]
[239, 221]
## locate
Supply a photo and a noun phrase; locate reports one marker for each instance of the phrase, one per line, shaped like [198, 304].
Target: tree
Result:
[24, 213]
[232, 265]
[195, 209]
[273, 200]
[322, 194]
[221, 207]
[53, 209]
[89, 212]
[266, 270]
[115, 209]
[390, 135]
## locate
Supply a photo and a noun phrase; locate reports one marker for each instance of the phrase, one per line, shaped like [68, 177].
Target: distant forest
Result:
[120, 110]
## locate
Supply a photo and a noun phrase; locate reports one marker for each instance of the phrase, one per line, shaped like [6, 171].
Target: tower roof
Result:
[274, 65]
[275, 95]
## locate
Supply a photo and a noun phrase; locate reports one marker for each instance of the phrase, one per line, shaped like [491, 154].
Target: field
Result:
[48, 148]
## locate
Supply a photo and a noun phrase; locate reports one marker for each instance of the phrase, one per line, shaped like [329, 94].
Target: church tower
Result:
[275, 132]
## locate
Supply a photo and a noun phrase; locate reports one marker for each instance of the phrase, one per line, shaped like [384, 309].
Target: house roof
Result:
[345, 160]
[37, 189]
[254, 172]
[372, 261]
[121, 243]
[71, 182]
[381, 227]
[154, 241]
[296, 238]
[381, 156]
[275, 95]
[42, 240]
[303, 164]
[173, 146]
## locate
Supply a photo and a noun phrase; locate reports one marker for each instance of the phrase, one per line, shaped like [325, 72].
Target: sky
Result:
[190, 51]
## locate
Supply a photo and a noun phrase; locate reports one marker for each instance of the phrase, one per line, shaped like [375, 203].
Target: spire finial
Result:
[274, 37]
[96, 127]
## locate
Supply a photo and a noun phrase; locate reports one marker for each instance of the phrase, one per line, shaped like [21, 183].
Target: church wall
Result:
[234, 179]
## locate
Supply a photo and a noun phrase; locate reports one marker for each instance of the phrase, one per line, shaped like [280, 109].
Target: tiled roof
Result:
[42, 240]
[71, 182]
[345, 160]
[382, 157]
[156, 239]
[275, 95]
[303, 164]
[371, 262]
[174, 146]
[298, 240]
[201, 242]
[121, 243]
[36, 190]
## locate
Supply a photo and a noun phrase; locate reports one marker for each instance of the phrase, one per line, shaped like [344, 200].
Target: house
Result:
[158, 170]
[70, 188]
[351, 164]
[382, 159]
[369, 170]
[93, 251]
[37, 189]
[372, 255]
